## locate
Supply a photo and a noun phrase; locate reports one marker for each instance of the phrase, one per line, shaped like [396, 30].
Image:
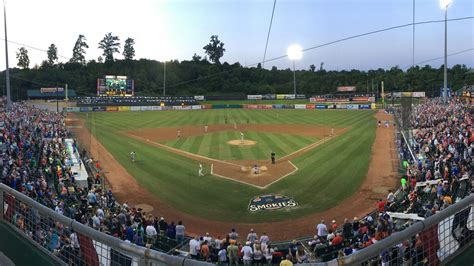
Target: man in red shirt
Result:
[337, 239]
[381, 205]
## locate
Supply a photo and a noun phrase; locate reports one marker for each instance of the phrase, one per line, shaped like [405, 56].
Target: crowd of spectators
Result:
[34, 160]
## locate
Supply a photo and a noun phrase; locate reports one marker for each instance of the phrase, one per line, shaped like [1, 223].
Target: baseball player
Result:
[332, 131]
[179, 133]
[241, 136]
[255, 169]
[200, 170]
[235, 125]
[132, 156]
[273, 157]
[205, 128]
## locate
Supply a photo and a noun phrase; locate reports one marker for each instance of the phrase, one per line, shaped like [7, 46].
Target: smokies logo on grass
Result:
[270, 203]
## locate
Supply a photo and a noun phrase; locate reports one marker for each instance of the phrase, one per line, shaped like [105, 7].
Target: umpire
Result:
[273, 157]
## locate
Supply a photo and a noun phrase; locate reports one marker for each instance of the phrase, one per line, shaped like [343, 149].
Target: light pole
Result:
[164, 78]
[444, 4]
[7, 71]
[294, 52]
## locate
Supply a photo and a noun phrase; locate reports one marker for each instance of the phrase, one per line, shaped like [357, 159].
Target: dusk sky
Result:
[178, 29]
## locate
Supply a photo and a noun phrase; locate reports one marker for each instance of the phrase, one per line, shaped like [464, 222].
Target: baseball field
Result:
[322, 159]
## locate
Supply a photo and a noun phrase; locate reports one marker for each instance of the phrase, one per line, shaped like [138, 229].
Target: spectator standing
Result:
[180, 229]
[252, 236]
[322, 230]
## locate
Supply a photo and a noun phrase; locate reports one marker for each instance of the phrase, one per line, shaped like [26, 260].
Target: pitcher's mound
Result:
[239, 142]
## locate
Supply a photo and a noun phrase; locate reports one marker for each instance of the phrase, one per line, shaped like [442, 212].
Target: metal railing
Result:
[72, 242]
[434, 240]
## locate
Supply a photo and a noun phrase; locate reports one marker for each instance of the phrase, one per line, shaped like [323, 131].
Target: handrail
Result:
[113, 242]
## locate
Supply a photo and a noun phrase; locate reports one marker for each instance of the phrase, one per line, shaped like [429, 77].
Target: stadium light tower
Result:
[444, 5]
[7, 70]
[294, 52]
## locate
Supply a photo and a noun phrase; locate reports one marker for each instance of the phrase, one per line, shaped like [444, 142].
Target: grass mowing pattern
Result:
[328, 174]
[282, 144]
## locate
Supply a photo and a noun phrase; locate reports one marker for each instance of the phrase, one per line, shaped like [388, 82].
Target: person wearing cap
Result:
[207, 238]
[355, 226]
[252, 236]
[334, 225]
[247, 253]
[163, 225]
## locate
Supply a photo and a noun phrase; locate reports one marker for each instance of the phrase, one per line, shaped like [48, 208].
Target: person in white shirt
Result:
[222, 255]
[390, 197]
[207, 238]
[247, 253]
[151, 232]
[218, 243]
[194, 247]
[322, 230]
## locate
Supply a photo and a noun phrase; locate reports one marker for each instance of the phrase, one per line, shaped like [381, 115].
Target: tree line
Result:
[208, 76]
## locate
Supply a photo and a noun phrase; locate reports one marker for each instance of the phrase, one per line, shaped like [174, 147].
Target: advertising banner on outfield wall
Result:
[156, 108]
[134, 108]
[317, 100]
[330, 106]
[268, 97]
[124, 108]
[352, 106]
[339, 100]
[250, 106]
[364, 106]
[196, 107]
[300, 106]
[98, 108]
[310, 106]
[207, 106]
[111, 108]
[177, 107]
[265, 106]
[146, 108]
[288, 106]
[285, 96]
[254, 97]
[341, 106]
[199, 98]
[300, 96]
[418, 94]
[360, 99]
[321, 106]
[278, 106]
[85, 109]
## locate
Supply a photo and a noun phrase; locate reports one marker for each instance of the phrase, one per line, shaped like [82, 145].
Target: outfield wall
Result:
[222, 106]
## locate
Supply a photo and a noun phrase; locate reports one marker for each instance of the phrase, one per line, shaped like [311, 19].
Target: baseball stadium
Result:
[202, 162]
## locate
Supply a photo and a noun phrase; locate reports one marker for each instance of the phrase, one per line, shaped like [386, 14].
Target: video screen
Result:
[115, 86]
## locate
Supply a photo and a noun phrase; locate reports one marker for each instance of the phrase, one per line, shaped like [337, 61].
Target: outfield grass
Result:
[214, 145]
[326, 176]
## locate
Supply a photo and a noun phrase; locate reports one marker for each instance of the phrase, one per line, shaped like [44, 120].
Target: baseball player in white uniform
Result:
[200, 170]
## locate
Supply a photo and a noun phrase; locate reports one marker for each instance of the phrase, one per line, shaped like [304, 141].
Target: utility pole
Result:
[7, 71]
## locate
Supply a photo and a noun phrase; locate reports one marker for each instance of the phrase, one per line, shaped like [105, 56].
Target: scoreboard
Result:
[112, 85]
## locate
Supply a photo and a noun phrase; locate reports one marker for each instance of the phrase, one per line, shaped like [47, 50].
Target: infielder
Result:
[200, 170]
[241, 136]
[132, 156]
[179, 133]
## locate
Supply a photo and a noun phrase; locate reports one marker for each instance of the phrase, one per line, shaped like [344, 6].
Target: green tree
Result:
[78, 52]
[100, 59]
[23, 59]
[312, 67]
[52, 54]
[110, 44]
[196, 58]
[128, 50]
[215, 49]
